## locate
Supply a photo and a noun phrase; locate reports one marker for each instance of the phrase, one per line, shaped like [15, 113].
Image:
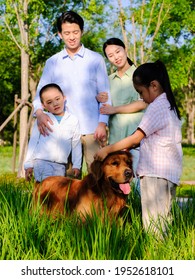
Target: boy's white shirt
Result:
[53, 147]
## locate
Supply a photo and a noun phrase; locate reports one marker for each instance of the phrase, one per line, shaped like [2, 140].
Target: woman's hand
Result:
[107, 109]
[43, 121]
[102, 97]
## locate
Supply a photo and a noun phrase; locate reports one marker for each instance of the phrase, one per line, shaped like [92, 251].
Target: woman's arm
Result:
[133, 107]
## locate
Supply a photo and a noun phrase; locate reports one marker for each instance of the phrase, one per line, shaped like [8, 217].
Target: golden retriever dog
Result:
[105, 187]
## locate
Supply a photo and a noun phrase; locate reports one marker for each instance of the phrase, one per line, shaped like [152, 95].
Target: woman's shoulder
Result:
[111, 76]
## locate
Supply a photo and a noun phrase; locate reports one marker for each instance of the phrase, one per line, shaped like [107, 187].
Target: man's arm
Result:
[43, 120]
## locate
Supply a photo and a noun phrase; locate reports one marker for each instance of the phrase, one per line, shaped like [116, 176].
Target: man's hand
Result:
[101, 134]
[43, 121]
[76, 172]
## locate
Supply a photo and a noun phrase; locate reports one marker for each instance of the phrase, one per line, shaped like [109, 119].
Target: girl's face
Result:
[53, 101]
[117, 55]
[149, 93]
[146, 93]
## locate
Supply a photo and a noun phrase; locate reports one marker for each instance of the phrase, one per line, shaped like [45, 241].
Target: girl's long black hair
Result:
[117, 42]
[148, 72]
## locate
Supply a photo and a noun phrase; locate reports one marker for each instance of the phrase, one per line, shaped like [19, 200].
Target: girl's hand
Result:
[101, 154]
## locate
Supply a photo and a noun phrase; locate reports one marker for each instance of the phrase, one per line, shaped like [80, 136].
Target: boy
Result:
[47, 156]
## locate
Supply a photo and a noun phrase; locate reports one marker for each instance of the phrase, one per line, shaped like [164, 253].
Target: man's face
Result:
[71, 35]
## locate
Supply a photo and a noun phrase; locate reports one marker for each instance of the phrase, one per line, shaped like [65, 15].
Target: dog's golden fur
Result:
[100, 187]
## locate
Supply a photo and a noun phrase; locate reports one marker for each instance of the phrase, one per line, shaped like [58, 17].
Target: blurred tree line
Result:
[151, 29]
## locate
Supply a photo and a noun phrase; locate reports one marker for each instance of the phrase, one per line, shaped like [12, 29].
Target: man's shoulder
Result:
[93, 53]
[56, 56]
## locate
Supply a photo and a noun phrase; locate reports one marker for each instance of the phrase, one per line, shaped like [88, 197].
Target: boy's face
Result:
[53, 101]
[71, 35]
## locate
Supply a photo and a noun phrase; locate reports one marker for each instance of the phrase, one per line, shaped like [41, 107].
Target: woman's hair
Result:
[49, 86]
[148, 72]
[70, 17]
[117, 42]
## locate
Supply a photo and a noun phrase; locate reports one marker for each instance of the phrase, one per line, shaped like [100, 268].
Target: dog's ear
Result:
[96, 169]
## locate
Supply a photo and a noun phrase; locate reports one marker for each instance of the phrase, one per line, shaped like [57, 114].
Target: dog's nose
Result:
[128, 173]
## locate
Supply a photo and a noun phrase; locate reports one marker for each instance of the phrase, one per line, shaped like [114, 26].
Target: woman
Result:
[127, 108]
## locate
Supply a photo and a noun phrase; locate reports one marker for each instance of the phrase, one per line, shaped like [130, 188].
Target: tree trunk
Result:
[24, 110]
[22, 22]
[190, 121]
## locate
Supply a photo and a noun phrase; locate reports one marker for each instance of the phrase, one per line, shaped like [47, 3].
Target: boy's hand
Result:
[28, 174]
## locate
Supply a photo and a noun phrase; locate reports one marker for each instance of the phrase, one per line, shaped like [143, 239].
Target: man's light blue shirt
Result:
[81, 78]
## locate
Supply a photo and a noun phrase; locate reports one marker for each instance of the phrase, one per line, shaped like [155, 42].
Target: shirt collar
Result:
[79, 53]
[128, 73]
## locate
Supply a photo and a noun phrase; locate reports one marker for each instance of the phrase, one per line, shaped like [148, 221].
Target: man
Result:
[81, 74]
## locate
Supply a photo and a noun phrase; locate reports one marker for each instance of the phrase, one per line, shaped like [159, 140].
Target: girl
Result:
[127, 108]
[159, 136]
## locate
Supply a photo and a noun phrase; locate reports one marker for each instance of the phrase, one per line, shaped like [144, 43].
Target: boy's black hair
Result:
[117, 42]
[150, 71]
[70, 17]
[46, 87]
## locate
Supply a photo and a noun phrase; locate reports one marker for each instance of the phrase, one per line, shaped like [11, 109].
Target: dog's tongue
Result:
[125, 188]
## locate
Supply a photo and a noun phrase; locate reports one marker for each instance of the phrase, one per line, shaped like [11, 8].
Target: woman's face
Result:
[117, 55]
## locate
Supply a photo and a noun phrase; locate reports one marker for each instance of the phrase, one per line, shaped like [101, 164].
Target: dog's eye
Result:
[115, 163]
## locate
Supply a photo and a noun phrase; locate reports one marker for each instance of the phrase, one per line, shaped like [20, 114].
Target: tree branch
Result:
[12, 35]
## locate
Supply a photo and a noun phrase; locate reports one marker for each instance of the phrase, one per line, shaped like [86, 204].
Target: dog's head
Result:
[117, 169]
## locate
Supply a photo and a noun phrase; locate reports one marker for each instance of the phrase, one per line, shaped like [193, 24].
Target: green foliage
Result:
[174, 42]
[9, 80]
[185, 190]
[43, 42]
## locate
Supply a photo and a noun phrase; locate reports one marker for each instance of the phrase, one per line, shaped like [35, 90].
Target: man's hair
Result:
[70, 17]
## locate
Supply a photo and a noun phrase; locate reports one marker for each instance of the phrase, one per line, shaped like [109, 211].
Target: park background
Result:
[150, 29]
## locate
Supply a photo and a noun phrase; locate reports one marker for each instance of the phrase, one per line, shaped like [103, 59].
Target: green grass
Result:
[26, 236]
[188, 173]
